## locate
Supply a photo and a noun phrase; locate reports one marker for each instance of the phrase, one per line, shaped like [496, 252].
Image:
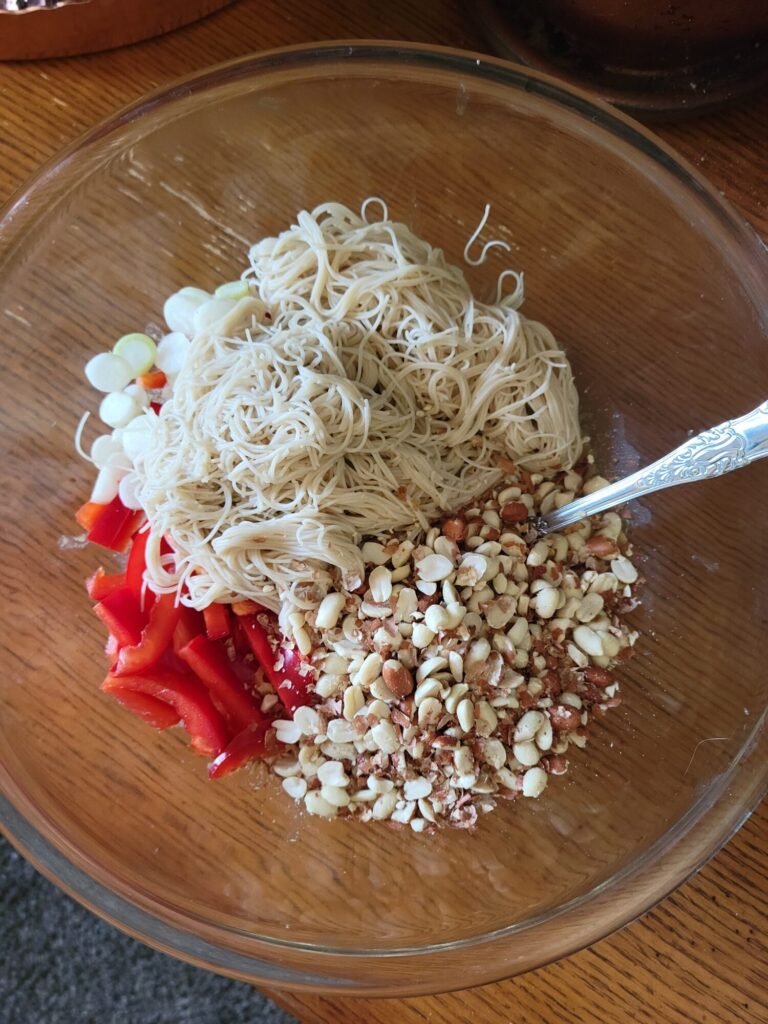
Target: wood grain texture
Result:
[101, 25]
[701, 955]
[698, 958]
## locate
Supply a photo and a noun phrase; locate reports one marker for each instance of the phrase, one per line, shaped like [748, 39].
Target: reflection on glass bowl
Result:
[658, 292]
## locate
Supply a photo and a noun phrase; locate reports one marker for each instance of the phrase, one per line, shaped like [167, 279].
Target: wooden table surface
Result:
[702, 955]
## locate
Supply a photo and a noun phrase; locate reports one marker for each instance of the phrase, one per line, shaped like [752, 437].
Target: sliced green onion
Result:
[106, 487]
[138, 394]
[136, 436]
[179, 309]
[138, 350]
[103, 447]
[209, 313]
[129, 489]
[119, 462]
[117, 409]
[233, 290]
[108, 372]
[172, 353]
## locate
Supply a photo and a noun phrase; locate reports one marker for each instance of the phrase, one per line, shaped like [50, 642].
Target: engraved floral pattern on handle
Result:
[711, 453]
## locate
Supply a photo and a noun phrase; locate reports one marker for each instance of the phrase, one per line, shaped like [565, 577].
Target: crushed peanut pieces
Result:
[463, 667]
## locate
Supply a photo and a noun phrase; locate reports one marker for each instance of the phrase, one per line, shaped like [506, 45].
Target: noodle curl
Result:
[362, 389]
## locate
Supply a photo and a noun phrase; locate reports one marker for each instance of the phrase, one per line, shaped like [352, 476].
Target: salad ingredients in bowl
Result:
[653, 289]
[421, 661]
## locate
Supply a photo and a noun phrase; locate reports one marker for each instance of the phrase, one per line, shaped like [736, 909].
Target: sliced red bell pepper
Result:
[208, 660]
[289, 683]
[155, 637]
[137, 563]
[207, 729]
[189, 626]
[114, 526]
[159, 714]
[151, 380]
[247, 608]
[170, 660]
[216, 621]
[239, 639]
[111, 650]
[101, 585]
[121, 614]
[259, 641]
[248, 745]
[88, 513]
[293, 691]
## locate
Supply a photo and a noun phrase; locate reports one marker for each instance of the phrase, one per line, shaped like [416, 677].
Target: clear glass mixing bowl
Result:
[659, 294]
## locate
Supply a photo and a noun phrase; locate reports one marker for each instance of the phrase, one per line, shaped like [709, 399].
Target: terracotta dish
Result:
[93, 25]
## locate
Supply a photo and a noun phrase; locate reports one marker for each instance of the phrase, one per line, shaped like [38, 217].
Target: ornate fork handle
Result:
[719, 450]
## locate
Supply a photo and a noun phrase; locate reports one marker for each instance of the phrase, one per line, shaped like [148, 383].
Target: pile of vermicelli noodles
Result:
[362, 389]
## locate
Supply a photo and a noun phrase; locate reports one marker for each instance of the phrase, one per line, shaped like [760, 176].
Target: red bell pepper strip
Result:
[208, 660]
[151, 380]
[88, 513]
[207, 730]
[159, 714]
[189, 626]
[137, 563]
[248, 745]
[289, 684]
[258, 638]
[115, 525]
[121, 614]
[101, 585]
[294, 689]
[155, 637]
[216, 621]
[239, 639]
[247, 608]
[111, 650]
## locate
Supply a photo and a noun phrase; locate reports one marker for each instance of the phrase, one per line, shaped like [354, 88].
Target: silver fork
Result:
[716, 451]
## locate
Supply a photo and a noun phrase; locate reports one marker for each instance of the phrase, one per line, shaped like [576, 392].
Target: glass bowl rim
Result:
[680, 852]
